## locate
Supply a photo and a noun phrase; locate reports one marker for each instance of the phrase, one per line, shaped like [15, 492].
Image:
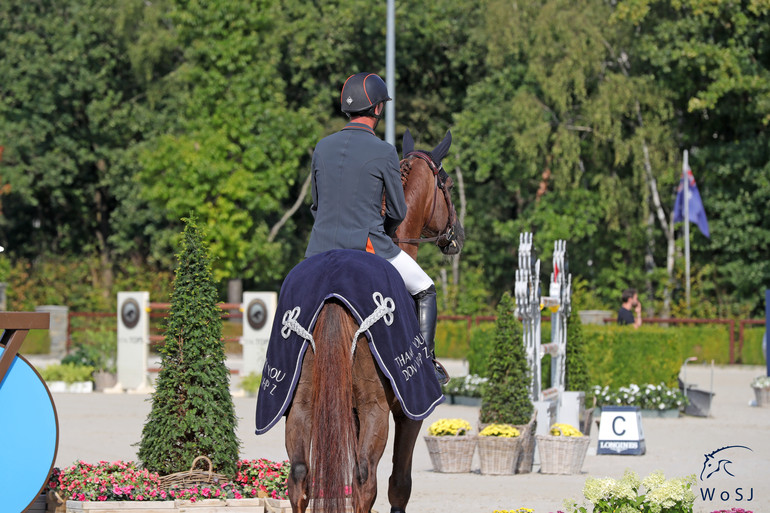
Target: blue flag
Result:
[697, 213]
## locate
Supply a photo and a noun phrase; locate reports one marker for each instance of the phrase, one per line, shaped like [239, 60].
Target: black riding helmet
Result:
[362, 92]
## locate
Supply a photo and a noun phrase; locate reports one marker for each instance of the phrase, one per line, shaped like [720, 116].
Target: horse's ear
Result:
[408, 143]
[440, 151]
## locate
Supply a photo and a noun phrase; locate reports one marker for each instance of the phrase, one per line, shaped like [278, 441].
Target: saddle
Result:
[374, 293]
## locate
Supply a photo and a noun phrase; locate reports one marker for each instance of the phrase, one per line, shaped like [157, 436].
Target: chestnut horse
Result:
[337, 425]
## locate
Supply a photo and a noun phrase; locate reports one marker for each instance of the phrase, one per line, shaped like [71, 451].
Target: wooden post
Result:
[16, 326]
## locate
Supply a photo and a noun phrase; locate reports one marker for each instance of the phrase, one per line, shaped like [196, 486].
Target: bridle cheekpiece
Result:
[446, 236]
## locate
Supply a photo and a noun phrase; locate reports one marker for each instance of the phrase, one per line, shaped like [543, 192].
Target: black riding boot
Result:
[426, 314]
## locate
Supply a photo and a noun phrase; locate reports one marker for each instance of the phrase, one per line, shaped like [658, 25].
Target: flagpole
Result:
[686, 183]
[390, 73]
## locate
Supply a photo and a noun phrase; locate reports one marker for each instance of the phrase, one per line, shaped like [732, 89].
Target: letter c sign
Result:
[615, 427]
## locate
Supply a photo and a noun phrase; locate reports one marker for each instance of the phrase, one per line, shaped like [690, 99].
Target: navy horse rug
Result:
[374, 293]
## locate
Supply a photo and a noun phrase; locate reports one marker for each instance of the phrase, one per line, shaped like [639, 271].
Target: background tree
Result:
[568, 121]
[505, 397]
[239, 153]
[712, 58]
[192, 411]
[69, 110]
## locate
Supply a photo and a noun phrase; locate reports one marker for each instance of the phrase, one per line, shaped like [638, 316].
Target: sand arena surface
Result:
[97, 426]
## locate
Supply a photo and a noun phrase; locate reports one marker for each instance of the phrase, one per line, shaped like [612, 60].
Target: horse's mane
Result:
[406, 168]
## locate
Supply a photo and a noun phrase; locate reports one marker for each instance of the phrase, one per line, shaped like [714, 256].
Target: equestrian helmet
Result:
[362, 92]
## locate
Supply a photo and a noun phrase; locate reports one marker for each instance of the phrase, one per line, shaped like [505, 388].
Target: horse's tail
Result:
[333, 442]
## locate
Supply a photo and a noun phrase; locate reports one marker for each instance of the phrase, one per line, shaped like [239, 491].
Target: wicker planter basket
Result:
[562, 454]
[499, 455]
[526, 456]
[193, 477]
[527, 452]
[451, 453]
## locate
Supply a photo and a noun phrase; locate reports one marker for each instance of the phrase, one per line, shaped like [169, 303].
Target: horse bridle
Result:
[446, 236]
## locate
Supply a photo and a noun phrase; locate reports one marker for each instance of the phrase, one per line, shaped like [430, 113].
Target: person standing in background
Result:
[630, 305]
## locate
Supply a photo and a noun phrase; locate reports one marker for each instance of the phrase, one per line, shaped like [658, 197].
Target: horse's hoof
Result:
[397, 510]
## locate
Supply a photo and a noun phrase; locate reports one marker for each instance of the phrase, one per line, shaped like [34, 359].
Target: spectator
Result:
[629, 305]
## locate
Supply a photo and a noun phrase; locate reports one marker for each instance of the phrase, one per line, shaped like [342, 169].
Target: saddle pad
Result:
[374, 293]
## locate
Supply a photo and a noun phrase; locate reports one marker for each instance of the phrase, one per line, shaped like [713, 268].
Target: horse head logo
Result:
[715, 461]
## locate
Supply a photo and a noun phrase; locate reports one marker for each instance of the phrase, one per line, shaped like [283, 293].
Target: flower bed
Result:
[464, 389]
[125, 482]
[653, 494]
[207, 505]
[647, 397]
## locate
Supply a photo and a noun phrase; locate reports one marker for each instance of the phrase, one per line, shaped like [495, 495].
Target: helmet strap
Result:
[377, 117]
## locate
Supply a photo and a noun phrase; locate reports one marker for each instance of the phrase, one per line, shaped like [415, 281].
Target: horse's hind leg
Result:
[400, 482]
[298, 425]
[373, 416]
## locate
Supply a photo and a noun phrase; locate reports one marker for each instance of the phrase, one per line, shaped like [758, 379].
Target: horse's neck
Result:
[414, 222]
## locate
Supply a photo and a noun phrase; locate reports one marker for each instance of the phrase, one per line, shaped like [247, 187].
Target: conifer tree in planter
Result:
[505, 396]
[192, 411]
[576, 371]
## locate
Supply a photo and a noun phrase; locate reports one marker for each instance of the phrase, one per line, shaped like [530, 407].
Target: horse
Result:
[337, 424]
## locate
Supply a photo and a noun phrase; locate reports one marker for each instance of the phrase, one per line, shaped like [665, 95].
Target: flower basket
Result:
[526, 455]
[762, 395]
[54, 503]
[561, 454]
[527, 452]
[451, 453]
[192, 477]
[498, 455]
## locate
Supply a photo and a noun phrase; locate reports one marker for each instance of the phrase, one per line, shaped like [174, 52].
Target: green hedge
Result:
[482, 340]
[620, 355]
[39, 342]
[452, 339]
[752, 345]
[617, 355]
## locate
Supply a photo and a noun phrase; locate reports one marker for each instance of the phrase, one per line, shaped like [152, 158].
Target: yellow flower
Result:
[449, 427]
[560, 429]
[501, 430]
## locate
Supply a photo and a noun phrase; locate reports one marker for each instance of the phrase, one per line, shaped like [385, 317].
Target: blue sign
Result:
[30, 435]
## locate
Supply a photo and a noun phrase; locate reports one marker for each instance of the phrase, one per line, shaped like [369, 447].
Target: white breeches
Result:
[415, 278]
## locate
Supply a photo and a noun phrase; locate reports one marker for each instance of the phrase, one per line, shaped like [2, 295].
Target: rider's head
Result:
[362, 93]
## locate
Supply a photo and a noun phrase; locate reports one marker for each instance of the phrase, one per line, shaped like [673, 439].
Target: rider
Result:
[351, 170]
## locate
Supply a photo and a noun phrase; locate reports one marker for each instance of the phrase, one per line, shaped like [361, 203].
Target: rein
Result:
[447, 235]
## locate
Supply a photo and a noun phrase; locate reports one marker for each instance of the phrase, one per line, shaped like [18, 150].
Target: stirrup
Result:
[441, 374]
